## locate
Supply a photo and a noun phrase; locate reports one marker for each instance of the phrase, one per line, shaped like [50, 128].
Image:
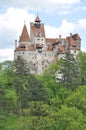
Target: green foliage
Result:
[7, 74]
[78, 99]
[21, 67]
[50, 84]
[37, 91]
[29, 102]
[70, 118]
[21, 74]
[70, 72]
[11, 99]
[82, 64]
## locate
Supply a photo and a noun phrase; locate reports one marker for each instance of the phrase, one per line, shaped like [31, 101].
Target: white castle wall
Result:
[37, 61]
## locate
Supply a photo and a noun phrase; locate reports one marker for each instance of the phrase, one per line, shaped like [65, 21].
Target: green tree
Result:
[70, 71]
[7, 107]
[37, 91]
[82, 64]
[38, 97]
[70, 118]
[48, 80]
[78, 99]
[21, 67]
[7, 74]
[21, 73]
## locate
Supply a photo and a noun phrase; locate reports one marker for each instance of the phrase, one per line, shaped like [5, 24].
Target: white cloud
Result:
[6, 54]
[82, 24]
[14, 18]
[65, 29]
[30, 2]
[51, 31]
[11, 24]
[64, 1]
[83, 49]
[63, 12]
[38, 4]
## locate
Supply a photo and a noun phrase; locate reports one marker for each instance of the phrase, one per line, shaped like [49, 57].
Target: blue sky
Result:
[60, 17]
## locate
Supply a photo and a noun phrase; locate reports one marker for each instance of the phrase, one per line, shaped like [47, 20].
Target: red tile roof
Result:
[39, 46]
[71, 41]
[62, 50]
[50, 48]
[76, 37]
[37, 19]
[24, 47]
[51, 40]
[24, 36]
[37, 31]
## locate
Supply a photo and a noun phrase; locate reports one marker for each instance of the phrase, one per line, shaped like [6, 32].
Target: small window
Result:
[22, 46]
[42, 62]
[34, 64]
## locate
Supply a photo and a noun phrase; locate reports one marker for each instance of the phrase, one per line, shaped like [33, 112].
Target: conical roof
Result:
[76, 37]
[37, 19]
[24, 36]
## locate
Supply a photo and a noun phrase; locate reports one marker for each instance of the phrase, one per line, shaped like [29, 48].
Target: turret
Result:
[37, 20]
[37, 32]
[24, 38]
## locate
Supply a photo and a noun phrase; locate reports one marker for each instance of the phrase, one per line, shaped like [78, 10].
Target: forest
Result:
[55, 100]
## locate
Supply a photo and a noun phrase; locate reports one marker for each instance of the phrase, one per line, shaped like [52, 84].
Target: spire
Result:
[37, 19]
[24, 36]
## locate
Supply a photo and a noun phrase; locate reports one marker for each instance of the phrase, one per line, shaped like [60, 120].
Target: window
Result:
[22, 46]
[34, 64]
[42, 62]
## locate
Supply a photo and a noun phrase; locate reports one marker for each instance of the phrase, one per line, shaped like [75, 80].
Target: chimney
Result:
[70, 34]
[15, 44]
[59, 37]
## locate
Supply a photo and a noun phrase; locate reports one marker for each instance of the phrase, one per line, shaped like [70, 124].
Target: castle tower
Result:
[24, 45]
[37, 32]
[24, 38]
[37, 20]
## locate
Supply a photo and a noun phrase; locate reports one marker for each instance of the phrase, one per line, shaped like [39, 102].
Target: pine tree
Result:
[21, 75]
[38, 98]
[70, 71]
[3, 106]
[82, 64]
[21, 67]
[36, 89]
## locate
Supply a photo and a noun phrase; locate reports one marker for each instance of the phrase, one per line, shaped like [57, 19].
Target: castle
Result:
[39, 51]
